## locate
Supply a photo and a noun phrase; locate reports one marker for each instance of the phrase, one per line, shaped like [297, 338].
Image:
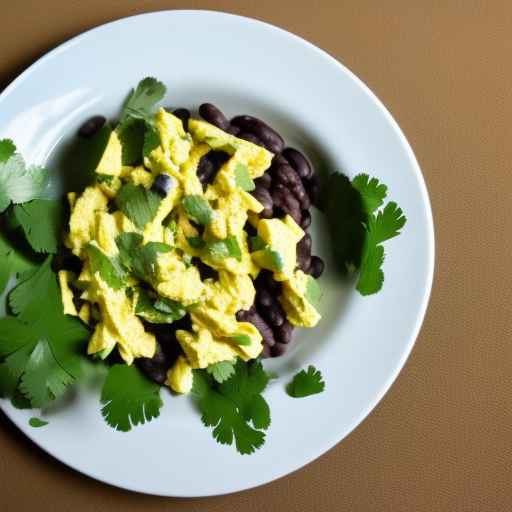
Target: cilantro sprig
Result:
[306, 383]
[41, 348]
[138, 204]
[235, 408]
[129, 398]
[359, 227]
[18, 183]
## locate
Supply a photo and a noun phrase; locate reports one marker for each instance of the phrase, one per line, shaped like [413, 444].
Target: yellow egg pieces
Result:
[145, 231]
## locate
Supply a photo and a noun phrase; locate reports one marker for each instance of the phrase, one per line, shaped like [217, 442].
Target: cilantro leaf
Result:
[227, 248]
[18, 183]
[371, 276]
[142, 100]
[372, 191]
[221, 371]
[132, 142]
[358, 227]
[129, 399]
[159, 310]
[7, 149]
[138, 204]
[306, 383]
[109, 268]
[12, 260]
[198, 209]
[43, 347]
[387, 224]
[270, 259]
[243, 178]
[37, 422]
[231, 406]
[43, 379]
[42, 221]
[241, 339]
[196, 242]
[257, 243]
[313, 292]
[151, 140]
[138, 259]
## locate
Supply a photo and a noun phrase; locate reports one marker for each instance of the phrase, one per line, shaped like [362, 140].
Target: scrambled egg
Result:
[211, 303]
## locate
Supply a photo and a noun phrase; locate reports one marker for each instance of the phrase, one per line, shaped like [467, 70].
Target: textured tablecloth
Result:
[441, 440]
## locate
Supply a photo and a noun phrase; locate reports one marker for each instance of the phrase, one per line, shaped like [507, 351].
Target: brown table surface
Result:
[441, 438]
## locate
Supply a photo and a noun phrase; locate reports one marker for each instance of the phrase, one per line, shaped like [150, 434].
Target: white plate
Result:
[244, 66]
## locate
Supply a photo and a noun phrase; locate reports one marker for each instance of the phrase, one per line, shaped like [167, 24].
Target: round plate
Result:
[244, 66]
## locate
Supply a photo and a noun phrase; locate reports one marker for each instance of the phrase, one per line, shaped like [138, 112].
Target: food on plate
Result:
[184, 260]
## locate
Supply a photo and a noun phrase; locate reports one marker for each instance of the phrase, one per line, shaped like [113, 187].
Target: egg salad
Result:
[145, 235]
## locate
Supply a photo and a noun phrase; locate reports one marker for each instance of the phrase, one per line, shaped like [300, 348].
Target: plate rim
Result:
[328, 444]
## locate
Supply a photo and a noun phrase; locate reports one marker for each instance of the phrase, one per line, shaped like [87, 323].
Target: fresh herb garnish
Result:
[231, 407]
[138, 204]
[257, 243]
[139, 259]
[41, 347]
[243, 178]
[42, 221]
[13, 261]
[221, 371]
[196, 242]
[109, 268]
[359, 229]
[241, 339]
[158, 310]
[198, 209]
[37, 422]
[18, 183]
[306, 383]
[129, 399]
[313, 292]
[227, 248]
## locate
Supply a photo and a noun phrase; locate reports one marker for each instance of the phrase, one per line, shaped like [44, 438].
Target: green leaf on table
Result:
[129, 398]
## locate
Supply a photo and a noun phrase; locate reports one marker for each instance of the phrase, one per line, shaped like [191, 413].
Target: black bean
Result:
[266, 280]
[265, 298]
[156, 367]
[163, 184]
[287, 175]
[299, 162]
[91, 126]
[284, 333]
[279, 160]
[266, 351]
[205, 170]
[317, 266]
[205, 271]
[306, 220]
[278, 350]
[250, 137]
[264, 197]
[264, 181]
[255, 319]
[233, 130]
[304, 253]
[184, 115]
[213, 115]
[268, 136]
[286, 202]
[313, 190]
